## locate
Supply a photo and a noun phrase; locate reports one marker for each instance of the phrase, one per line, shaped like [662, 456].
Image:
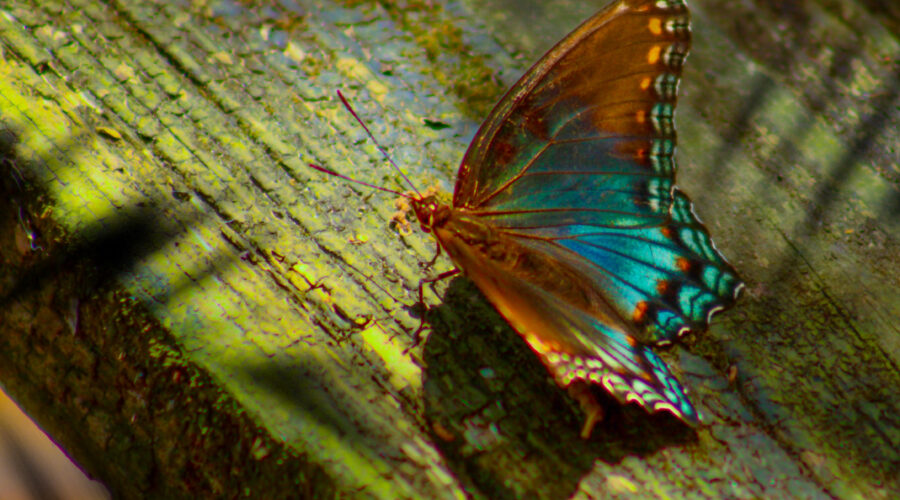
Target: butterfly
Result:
[566, 216]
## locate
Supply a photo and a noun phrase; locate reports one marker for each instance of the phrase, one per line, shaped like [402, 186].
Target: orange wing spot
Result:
[640, 312]
[683, 264]
[653, 55]
[662, 286]
[655, 26]
[667, 232]
[631, 341]
[640, 116]
[645, 83]
[641, 154]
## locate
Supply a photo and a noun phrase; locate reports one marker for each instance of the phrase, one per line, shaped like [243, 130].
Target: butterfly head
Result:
[430, 211]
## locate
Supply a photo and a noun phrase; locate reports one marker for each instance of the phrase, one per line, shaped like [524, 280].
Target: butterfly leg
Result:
[434, 259]
[446, 274]
[581, 392]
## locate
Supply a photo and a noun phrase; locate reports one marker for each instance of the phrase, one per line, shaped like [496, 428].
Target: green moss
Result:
[454, 64]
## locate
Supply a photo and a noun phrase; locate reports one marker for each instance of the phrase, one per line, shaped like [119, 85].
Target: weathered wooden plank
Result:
[261, 312]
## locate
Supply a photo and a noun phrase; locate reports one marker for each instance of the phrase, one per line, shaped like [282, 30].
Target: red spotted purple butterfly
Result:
[566, 216]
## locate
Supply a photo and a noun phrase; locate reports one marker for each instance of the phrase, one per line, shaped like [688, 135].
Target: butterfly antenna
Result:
[373, 186]
[377, 144]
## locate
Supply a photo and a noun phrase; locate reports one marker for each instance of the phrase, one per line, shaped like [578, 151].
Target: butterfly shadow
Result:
[504, 427]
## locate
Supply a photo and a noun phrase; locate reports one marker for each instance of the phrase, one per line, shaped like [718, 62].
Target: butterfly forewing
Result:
[610, 85]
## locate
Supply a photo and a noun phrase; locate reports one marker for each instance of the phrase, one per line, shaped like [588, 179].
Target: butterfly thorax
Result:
[453, 226]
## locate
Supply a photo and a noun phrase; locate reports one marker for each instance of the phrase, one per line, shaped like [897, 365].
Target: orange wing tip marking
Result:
[655, 26]
[683, 264]
[646, 82]
[640, 312]
[640, 116]
[662, 287]
[653, 54]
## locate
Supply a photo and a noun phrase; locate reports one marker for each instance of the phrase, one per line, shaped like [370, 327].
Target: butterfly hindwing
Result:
[575, 342]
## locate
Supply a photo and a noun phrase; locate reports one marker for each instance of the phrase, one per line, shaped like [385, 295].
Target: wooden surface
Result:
[192, 312]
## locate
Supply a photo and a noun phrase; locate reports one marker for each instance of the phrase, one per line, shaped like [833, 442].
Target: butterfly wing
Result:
[577, 162]
[575, 345]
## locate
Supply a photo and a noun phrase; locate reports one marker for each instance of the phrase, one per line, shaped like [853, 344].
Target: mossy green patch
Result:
[404, 371]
